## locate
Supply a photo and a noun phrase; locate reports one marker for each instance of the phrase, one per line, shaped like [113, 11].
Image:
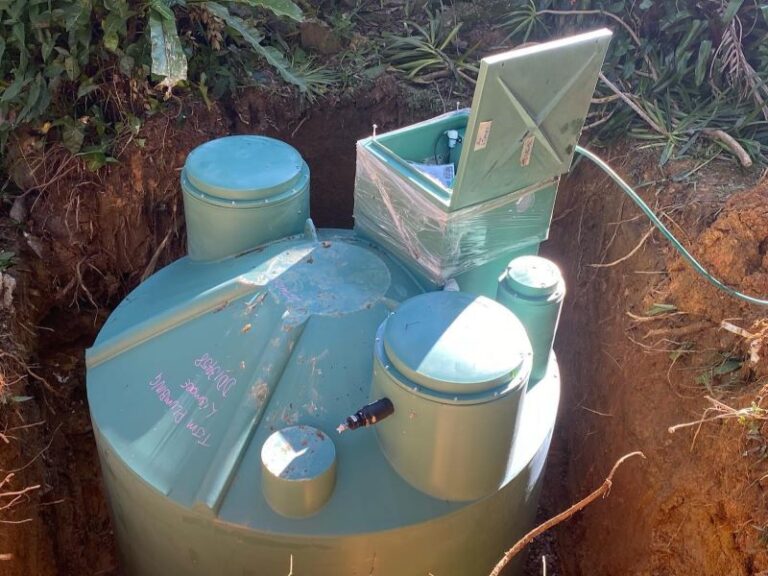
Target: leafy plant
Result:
[49, 49]
[316, 80]
[431, 52]
[727, 366]
[64, 64]
[251, 36]
[6, 259]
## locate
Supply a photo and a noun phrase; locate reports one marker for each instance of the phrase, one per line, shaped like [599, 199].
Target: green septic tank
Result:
[219, 387]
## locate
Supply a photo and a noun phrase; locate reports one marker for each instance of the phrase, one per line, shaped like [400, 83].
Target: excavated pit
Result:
[680, 511]
[641, 347]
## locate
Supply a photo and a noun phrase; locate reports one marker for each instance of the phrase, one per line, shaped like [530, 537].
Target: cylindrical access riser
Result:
[157, 537]
[533, 288]
[455, 367]
[241, 192]
[298, 470]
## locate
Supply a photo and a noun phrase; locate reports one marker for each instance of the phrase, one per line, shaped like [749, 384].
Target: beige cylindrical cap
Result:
[298, 469]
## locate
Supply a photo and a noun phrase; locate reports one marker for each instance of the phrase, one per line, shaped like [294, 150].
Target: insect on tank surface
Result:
[286, 398]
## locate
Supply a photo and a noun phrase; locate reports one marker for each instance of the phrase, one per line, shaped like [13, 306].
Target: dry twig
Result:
[641, 319]
[602, 491]
[672, 333]
[15, 495]
[40, 453]
[150, 268]
[723, 412]
[627, 256]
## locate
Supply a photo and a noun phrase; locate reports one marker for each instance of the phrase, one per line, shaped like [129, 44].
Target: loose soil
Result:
[694, 506]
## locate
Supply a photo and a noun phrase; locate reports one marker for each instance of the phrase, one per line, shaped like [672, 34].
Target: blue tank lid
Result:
[244, 168]
[457, 343]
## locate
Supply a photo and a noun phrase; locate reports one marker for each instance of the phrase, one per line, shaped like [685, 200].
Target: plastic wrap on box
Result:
[396, 212]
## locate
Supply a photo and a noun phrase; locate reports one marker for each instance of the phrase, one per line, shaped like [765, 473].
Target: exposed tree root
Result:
[602, 491]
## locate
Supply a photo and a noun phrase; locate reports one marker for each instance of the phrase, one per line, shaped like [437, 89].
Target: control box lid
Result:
[527, 113]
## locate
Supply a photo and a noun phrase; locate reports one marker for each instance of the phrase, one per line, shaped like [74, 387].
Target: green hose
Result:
[665, 231]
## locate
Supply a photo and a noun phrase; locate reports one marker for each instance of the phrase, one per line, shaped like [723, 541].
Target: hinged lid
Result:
[458, 343]
[527, 113]
[244, 168]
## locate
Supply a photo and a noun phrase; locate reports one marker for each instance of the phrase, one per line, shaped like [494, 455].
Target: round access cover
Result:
[533, 276]
[298, 466]
[243, 168]
[456, 343]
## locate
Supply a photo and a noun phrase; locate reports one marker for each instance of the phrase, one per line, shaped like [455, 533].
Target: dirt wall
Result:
[696, 504]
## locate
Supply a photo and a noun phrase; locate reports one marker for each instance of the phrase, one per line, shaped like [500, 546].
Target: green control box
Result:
[459, 195]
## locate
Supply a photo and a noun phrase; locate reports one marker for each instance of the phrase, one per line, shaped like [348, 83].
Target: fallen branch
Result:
[731, 143]
[597, 123]
[604, 100]
[432, 76]
[602, 491]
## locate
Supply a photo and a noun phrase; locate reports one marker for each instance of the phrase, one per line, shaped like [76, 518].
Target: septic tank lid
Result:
[533, 276]
[457, 343]
[244, 167]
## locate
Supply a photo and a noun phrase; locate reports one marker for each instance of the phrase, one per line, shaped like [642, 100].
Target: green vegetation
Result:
[429, 52]
[724, 371]
[676, 73]
[6, 259]
[84, 70]
[86, 73]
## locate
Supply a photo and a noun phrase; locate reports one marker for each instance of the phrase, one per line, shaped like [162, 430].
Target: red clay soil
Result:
[733, 248]
[697, 504]
[690, 508]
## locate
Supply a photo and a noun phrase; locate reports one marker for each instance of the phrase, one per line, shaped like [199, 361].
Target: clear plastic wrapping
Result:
[397, 212]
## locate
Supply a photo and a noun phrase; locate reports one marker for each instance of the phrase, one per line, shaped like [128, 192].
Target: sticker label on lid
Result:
[483, 132]
[525, 155]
